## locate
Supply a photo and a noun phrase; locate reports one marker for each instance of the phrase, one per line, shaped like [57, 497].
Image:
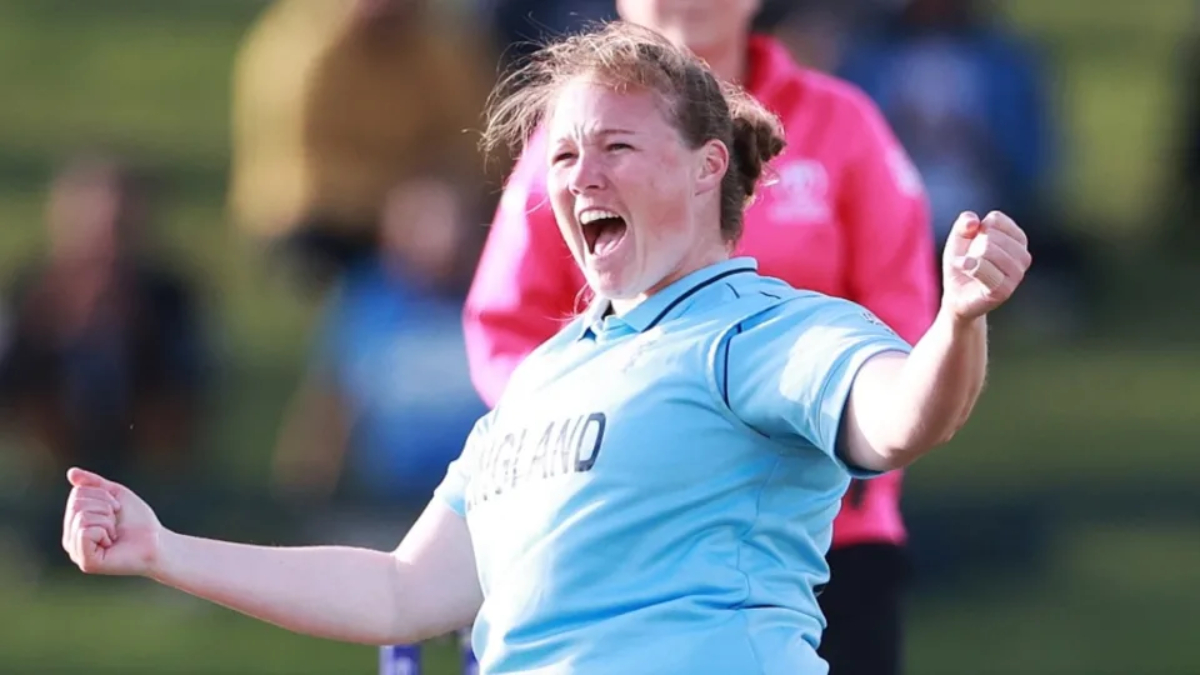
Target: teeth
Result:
[592, 215]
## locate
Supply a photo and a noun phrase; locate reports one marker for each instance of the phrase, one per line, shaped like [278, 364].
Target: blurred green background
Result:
[1059, 534]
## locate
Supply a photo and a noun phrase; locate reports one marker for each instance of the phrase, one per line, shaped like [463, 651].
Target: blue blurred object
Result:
[469, 662]
[395, 352]
[400, 660]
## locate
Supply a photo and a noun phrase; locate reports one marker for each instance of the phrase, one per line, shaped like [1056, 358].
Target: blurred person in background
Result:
[967, 98]
[350, 116]
[336, 102]
[388, 398]
[846, 216]
[104, 360]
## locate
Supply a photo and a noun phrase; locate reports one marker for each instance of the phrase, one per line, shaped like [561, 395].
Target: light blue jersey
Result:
[655, 493]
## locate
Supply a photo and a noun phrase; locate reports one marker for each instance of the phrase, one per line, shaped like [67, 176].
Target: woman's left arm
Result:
[902, 406]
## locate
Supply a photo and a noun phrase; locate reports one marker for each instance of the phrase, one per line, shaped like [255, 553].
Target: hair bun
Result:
[757, 139]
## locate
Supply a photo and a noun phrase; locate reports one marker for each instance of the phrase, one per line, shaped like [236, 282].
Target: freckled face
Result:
[623, 184]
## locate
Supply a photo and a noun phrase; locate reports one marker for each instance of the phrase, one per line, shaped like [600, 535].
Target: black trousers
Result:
[863, 608]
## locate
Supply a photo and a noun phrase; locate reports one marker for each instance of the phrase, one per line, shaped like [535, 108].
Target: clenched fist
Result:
[983, 263]
[107, 529]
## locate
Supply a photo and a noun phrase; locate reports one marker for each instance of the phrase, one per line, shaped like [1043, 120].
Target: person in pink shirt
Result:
[846, 215]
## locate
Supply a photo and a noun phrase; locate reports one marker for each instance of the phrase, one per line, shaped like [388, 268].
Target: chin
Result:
[613, 286]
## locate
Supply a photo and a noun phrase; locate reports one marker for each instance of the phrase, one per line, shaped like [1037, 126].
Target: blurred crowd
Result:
[356, 174]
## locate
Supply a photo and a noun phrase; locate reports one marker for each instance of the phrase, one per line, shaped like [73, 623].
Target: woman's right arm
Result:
[426, 587]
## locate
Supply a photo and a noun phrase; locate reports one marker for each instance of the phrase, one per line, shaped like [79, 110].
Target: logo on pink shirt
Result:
[801, 192]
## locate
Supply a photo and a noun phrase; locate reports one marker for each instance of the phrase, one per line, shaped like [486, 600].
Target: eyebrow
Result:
[599, 133]
[612, 132]
[608, 131]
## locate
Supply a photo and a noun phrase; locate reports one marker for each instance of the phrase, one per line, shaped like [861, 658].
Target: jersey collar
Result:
[648, 314]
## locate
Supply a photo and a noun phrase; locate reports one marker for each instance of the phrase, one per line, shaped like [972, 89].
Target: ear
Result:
[714, 162]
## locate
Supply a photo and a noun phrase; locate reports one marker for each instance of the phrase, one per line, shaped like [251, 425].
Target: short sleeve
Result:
[452, 491]
[787, 372]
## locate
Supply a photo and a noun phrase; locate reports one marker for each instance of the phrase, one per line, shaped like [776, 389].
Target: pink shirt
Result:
[846, 215]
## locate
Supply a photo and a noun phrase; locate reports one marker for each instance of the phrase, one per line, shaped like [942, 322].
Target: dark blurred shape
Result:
[1181, 237]
[338, 101]
[104, 362]
[105, 359]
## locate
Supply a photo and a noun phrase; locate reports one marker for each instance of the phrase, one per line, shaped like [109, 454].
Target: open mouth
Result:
[602, 231]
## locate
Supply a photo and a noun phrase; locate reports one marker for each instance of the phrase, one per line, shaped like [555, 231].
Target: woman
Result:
[846, 216]
[579, 530]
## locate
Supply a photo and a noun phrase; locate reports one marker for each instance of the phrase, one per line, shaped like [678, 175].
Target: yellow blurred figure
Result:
[338, 101]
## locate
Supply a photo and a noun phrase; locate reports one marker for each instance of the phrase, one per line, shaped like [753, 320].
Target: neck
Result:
[693, 263]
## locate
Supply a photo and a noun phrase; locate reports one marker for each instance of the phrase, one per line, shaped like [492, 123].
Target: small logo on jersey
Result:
[638, 350]
[801, 192]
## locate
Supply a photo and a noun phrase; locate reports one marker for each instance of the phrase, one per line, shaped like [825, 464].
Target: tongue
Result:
[610, 235]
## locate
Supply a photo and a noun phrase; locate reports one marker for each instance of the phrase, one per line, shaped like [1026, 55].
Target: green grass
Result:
[1120, 598]
[1098, 416]
[119, 71]
[1115, 81]
[90, 626]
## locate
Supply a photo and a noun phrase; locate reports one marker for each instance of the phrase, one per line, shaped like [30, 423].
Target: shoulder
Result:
[788, 312]
[789, 88]
[538, 359]
[804, 310]
[794, 339]
[760, 309]
[836, 91]
[855, 113]
[865, 135]
[802, 97]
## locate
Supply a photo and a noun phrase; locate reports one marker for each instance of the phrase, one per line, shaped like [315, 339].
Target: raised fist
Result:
[107, 529]
[983, 263]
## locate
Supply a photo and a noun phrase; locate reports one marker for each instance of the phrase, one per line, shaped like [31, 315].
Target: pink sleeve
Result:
[525, 286]
[892, 269]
